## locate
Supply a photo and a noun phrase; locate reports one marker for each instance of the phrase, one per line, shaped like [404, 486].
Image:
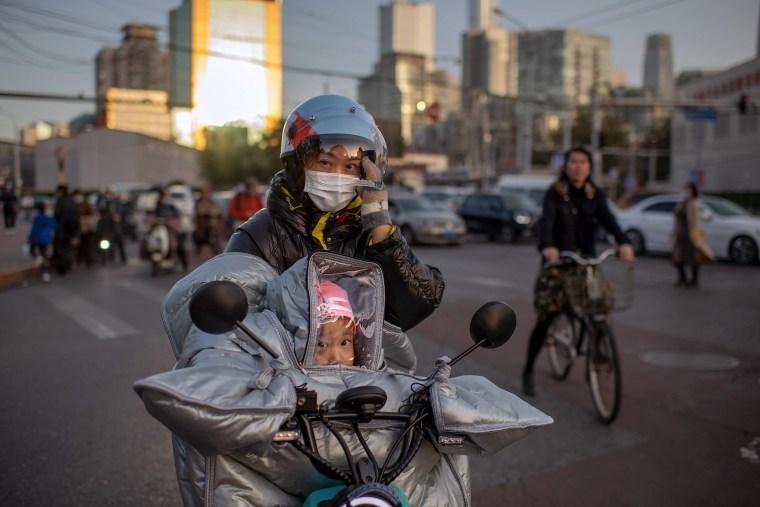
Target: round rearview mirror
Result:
[494, 322]
[218, 306]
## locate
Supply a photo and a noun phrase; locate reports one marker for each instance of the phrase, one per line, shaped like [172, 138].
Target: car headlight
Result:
[522, 218]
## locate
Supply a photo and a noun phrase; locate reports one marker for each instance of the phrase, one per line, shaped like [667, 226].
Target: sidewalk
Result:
[16, 267]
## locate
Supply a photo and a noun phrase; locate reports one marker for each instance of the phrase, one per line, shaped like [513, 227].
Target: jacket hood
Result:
[293, 298]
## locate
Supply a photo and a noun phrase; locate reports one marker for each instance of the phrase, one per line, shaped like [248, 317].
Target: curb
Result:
[17, 275]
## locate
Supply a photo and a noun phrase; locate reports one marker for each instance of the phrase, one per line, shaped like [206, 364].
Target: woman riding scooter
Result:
[164, 241]
[330, 196]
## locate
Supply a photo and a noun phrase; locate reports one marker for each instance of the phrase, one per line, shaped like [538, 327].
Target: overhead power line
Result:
[594, 12]
[631, 14]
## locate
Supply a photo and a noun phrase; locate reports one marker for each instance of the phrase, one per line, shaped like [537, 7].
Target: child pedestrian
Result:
[41, 239]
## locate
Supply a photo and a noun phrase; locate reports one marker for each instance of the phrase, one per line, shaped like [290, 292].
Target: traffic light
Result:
[742, 104]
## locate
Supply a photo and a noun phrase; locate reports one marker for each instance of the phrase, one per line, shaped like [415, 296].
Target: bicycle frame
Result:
[592, 338]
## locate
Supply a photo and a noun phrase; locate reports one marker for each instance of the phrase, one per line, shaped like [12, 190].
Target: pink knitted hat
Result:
[333, 302]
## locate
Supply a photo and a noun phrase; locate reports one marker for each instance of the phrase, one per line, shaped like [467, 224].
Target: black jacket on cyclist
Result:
[570, 216]
[290, 227]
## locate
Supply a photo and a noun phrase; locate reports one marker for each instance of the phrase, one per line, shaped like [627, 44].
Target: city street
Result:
[75, 433]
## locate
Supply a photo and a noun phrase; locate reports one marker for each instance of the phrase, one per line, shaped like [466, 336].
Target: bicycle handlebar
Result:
[591, 261]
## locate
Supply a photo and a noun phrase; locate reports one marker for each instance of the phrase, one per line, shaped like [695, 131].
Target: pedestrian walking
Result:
[66, 237]
[41, 239]
[209, 222]
[10, 207]
[690, 247]
[27, 206]
[245, 203]
[88, 219]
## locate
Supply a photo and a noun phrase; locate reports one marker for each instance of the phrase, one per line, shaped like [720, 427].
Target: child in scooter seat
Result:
[335, 344]
[233, 407]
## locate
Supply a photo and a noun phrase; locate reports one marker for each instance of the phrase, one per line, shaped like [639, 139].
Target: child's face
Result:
[336, 343]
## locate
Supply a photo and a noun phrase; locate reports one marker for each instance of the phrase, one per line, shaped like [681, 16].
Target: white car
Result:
[731, 231]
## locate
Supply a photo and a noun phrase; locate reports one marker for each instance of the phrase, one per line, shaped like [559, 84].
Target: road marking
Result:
[145, 290]
[690, 360]
[752, 452]
[99, 322]
[491, 282]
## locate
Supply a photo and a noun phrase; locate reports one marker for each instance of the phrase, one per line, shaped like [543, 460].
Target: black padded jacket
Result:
[568, 222]
[289, 228]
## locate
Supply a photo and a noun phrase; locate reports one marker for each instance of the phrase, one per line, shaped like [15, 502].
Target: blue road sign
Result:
[701, 113]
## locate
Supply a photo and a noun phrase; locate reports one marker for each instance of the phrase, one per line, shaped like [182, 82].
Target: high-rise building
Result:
[408, 28]
[226, 66]
[131, 84]
[563, 68]
[658, 66]
[403, 82]
[391, 95]
[489, 55]
[482, 14]
[138, 64]
[489, 63]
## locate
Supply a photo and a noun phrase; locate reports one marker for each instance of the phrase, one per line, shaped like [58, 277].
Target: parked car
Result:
[447, 197]
[504, 216]
[628, 199]
[420, 221]
[731, 231]
[532, 186]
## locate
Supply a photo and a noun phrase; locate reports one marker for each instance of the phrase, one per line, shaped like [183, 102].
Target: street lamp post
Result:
[61, 155]
[17, 182]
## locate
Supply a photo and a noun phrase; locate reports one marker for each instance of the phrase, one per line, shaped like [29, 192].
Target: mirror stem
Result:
[463, 354]
[255, 338]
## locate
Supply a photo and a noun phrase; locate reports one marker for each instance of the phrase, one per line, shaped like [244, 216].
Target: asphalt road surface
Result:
[74, 432]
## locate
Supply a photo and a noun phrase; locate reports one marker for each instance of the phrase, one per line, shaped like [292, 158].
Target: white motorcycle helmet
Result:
[325, 121]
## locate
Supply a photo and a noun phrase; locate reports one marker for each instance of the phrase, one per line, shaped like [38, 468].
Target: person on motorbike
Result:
[208, 222]
[166, 211]
[572, 206]
[330, 196]
[109, 223]
[231, 394]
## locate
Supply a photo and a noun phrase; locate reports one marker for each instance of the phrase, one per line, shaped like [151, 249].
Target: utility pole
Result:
[526, 153]
[61, 155]
[485, 159]
[596, 127]
[17, 181]
[567, 125]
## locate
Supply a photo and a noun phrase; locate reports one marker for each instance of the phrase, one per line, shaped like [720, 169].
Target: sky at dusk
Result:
[49, 46]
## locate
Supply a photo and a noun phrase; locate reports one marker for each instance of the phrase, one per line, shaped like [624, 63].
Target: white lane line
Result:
[145, 290]
[99, 322]
[491, 282]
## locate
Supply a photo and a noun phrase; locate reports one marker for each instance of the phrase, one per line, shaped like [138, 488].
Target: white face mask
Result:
[330, 191]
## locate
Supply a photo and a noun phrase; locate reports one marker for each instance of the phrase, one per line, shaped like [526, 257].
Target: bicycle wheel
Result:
[604, 376]
[561, 341]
